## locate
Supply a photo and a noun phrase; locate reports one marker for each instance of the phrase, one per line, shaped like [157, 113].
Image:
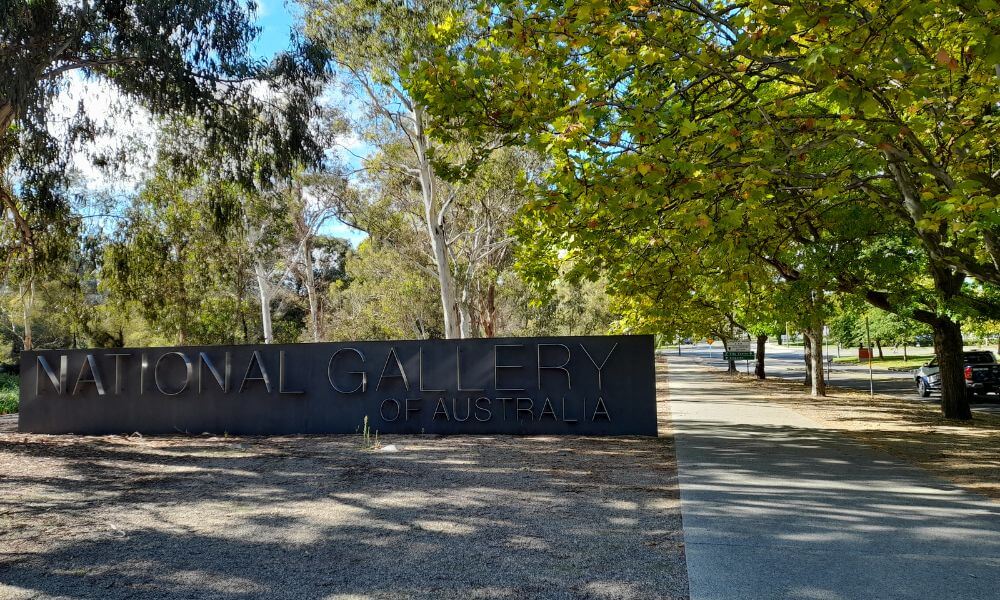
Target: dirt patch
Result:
[966, 453]
[321, 517]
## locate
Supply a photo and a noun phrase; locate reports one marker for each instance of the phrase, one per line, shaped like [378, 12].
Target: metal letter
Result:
[547, 409]
[57, 381]
[468, 409]
[399, 365]
[458, 372]
[562, 367]
[489, 413]
[363, 386]
[414, 409]
[381, 410]
[205, 361]
[118, 372]
[601, 366]
[565, 420]
[531, 404]
[497, 366]
[189, 367]
[95, 376]
[263, 372]
[281, 376]
[420, 371]
[503, 403]
[440, 409]
[600, 409]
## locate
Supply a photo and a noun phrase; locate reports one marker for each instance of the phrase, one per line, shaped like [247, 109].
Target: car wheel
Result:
[922, 389]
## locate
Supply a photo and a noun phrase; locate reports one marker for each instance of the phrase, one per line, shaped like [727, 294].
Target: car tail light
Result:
[968, 373]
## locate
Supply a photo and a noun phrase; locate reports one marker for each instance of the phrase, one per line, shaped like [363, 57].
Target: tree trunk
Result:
[731, 369]
[807, 357]
[310, 283]
[239, 303]
[6, 115]
[10, 205]
[489, 319]
[7, 202]
[758, 370]
[905, 357]
[27, 309]
[265, 302]
[948, 348]
[819, 378]
[465, 315]
[878, 344]
[435, 217]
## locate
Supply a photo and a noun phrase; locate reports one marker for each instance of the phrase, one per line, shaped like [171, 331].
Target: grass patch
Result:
[9, 392]
[913, 361]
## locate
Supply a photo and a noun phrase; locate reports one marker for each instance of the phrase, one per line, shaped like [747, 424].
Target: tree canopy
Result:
[803, 137]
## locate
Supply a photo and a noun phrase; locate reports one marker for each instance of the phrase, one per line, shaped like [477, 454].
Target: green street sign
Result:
[737, 355]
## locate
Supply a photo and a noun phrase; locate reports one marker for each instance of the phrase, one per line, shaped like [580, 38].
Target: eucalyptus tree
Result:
[482, 246]
[168, 264]
[188, 57]
[313, 200]
[374, 45]
[383, 297]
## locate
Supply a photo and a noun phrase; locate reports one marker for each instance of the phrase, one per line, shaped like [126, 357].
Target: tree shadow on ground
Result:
[966, 453]
[804, 511]
[319, 516]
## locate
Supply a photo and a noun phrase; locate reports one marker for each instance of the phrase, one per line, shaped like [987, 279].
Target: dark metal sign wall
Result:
[558, 385]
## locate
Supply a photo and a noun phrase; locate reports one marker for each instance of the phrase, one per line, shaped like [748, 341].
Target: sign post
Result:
[739, 350]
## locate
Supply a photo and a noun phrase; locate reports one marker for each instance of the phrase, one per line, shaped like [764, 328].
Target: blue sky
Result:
[276, 19]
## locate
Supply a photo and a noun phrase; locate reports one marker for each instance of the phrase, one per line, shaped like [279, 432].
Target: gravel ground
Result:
[321, 517]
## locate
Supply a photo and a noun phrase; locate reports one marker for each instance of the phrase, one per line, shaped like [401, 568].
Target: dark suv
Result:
[982, 375]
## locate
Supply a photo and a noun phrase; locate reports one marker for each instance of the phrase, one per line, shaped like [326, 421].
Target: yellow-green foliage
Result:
[9, 389]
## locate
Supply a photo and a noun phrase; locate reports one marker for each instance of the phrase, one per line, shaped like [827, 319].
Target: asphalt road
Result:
[777, 507]
[786, 362]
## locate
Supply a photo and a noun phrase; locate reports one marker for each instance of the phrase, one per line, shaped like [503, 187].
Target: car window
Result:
[979, 358]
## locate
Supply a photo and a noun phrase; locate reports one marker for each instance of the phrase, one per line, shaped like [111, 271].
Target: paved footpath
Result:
[775, 506]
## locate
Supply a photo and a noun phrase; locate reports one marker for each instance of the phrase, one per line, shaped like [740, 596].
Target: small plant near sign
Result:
[369, 441]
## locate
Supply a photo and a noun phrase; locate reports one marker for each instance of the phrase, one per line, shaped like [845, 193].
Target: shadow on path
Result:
[775, 506]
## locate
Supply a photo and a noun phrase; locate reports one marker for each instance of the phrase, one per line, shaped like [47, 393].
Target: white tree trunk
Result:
[265, 301]
[436, 230]
[465, 316]
[310, 283]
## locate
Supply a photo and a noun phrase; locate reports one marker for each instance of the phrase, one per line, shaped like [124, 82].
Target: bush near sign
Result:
[590, 385]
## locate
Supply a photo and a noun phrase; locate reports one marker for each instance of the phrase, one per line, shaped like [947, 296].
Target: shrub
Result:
[9, 390]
